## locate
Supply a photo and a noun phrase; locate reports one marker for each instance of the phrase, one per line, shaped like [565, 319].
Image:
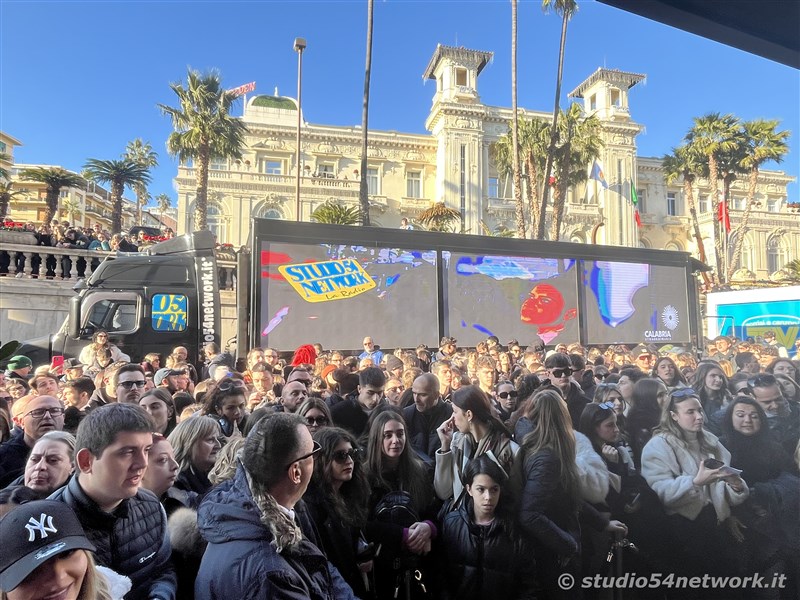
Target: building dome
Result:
[279, 102]
[271, 110]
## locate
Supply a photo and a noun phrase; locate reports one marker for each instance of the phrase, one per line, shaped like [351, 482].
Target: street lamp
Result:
[299, 46]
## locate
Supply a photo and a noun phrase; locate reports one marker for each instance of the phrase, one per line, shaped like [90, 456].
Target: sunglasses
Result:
[129, 385]
[317, 449]
[763, 380]
[317, 421]
[227, 386]
[558, 373]
[607, 405]
[342, 455]
[39, 413]
[602, 376]
[682, 393]
[511, 394]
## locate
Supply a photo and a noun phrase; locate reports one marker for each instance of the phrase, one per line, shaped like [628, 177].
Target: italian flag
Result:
[635, 201]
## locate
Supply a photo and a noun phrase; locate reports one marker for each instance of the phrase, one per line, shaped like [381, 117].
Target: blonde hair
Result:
[187, 434]
[94, 586]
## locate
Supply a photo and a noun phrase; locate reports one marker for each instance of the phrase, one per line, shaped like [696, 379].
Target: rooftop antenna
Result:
[276, 90]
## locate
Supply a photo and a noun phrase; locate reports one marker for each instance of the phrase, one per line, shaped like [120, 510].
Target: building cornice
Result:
[477, 58]
[621, 78]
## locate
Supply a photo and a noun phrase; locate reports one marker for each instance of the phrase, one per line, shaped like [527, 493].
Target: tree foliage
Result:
[54, 178]
[118, 174]
[334, 213]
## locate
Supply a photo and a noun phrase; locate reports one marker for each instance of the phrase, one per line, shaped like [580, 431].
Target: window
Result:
[218, 164]
[642, 195]
[325, 170]
[616, 97]
[373, 182]
[217, 224]
[738, 203]
[773, 205]
[414, 184]
[776, 257]
[461, 76]
[593, 102]
[702, 204]
[672, 204]
[112, 314]
[747, 254]
[493, 190]
[273, 167]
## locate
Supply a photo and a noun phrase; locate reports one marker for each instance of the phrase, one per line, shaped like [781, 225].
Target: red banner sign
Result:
[243, 89]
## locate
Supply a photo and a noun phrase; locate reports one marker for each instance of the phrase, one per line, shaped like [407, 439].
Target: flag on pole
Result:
[723, 216]
[597, 173]
[635, 202]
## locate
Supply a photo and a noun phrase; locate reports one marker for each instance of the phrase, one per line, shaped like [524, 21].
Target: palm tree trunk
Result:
[51, 204]
[519, 209]
[712, 176]
[559, 199]
[554, 131]
[533, 194]
[201, 196]
[738, 239]
[117, 190]
[701, 250]
[363, 195]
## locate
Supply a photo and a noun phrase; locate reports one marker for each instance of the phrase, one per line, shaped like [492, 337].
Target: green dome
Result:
[274, 102]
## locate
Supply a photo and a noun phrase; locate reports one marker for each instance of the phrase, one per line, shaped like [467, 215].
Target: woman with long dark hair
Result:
[711, 385]
[337, 500]
[650, 395]
[226, 404]
[551, 497]
[88, 355]
[668, 372]
[399, 504]
[483, 554]
[470, 432]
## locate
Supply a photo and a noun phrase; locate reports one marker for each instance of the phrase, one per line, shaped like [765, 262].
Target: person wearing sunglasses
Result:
[697, 494]
[316, 413]
[34, 416]
[226, 404]
[505, 399]
[337, 500]
[559, 372]
[261, 540]
[129, 382]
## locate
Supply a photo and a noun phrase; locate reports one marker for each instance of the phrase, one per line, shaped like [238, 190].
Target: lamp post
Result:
[299, 46]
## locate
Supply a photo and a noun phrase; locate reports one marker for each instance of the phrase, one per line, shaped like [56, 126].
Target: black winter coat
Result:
[132, 540]
[13, 455]
[422, 429]
[484, 561]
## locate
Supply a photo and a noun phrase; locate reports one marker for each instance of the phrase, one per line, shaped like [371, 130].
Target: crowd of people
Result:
[446, 473]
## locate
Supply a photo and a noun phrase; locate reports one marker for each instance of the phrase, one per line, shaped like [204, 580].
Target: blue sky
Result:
[79, 80]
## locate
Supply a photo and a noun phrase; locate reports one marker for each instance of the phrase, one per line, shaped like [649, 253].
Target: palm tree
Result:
[336, 214]
[163, 204]
[142, 153]
[684, 162]
[204, 129]
[4, 158]
[72, 209]
[440, 218]
[363, 191]
[54, 178]
[566, 8]
[762, 143]
[793, 269]
[712, 135]
[499, 231]
[581, 146]
[515, 167]
[534, 136]
[7, 194]
[118, 174]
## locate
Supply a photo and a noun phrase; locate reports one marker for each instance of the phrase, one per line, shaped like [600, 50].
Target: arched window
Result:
[776, 254]
[577, 238]
[644, 243]
[673, 246]
[269, 212]
[217, 223]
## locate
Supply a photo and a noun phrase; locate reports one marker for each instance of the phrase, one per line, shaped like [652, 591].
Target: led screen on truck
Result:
[631, 303]
[510, 297]
[336, 294]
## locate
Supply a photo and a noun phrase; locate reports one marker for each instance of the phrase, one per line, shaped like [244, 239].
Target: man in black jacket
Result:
[425, 415]
[353, 413]
[559, 371]
[126, 524]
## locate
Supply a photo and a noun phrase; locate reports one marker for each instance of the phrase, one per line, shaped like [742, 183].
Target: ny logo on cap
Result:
[44, 526]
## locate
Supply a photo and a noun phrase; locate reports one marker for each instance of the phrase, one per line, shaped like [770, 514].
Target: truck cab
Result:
[151, 301]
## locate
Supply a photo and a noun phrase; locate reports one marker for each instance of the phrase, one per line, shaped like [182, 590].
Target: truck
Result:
[750, 313]
[302, 283]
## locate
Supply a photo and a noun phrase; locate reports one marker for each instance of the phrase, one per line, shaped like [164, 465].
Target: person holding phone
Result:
[226, 404]
[697, 494]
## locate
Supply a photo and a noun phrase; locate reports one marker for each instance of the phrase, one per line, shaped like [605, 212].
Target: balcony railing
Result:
[23, 261]
[320, 185]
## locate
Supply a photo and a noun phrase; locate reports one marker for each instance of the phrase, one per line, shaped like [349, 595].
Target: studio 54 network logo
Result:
[669, 321]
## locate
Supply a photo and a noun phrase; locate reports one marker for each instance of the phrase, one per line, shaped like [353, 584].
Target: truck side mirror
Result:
[75, 317]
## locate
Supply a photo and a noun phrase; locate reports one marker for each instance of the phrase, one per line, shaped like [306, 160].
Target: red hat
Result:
[304, 355]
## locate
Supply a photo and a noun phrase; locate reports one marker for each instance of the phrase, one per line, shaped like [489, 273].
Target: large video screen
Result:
[510, 297]
[336, 294]
[632, 303]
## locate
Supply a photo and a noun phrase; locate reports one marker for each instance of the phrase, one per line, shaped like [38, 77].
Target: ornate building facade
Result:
[408, 173]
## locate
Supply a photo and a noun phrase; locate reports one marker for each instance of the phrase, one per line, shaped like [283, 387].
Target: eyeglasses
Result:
[511, 394]
[342, 455]
[128, 385]
[558, 373]
[602, 376]
[317, 449]
[39, 413]
[317, 421]
[227, 386]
